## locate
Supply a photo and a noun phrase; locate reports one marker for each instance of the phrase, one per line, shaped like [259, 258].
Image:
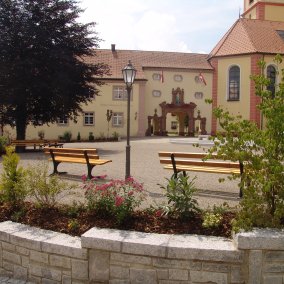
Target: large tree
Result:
[44, 68]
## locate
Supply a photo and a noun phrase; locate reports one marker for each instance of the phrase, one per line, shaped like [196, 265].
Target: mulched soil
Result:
[76, 222]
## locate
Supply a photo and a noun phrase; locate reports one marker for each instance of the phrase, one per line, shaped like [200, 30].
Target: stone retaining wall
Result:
[113, 256]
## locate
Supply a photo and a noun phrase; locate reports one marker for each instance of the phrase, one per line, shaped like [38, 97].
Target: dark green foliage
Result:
[43, 71]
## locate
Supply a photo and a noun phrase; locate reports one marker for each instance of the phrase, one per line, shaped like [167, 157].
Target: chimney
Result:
[113, 47]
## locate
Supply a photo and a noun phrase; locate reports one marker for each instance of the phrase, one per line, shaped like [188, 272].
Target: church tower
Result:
[271, 10]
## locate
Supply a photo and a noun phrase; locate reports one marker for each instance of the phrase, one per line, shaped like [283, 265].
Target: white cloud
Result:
[166, 25]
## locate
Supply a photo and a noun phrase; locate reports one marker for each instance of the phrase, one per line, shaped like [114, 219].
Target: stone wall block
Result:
[119, 281]
[23, 251]
[178, 274]
[255, 266]
[48, 281]
[99, 263]
[11, 257]
[45, 272]
[143, 276]
[128, 258]
[20, 272]
[273, 279]
[208, 277]
[216, 267]
[66, 279]
[39, 256]
[237, 274]
[8, 247]
[162, 274]
[25, 261]
[274, 267]
[274, 256]
[60, 261]
[80, 269]
[117, 272]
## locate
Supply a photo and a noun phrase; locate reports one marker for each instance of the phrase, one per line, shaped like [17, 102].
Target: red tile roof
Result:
[150, 59]
[251, 36]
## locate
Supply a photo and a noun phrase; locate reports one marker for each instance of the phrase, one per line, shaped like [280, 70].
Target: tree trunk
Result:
[21, 127]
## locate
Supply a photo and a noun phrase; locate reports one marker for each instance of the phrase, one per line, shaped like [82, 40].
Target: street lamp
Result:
[109, 116]
[129, 74]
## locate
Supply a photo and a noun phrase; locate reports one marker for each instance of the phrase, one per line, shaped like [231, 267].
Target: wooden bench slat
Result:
[205, 169]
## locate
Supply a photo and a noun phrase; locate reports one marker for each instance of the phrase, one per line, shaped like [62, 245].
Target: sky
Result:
[161, 25]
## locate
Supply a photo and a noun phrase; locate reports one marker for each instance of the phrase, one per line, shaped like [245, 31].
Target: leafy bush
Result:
[41, 134]
[3, 143]
[262, 153]
[211, 219]
[67, 135]
[117, 198]
[12, 179]
[78, 136]
[42, 187]
[179, 192]
[91, 136]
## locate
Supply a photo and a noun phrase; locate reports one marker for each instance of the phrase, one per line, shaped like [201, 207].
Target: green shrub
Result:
[262, 153]
[12, 179]
[42, 187]
[78, 136]
[3, 143]
[67, 135]
[179, 192]
[211, 220]
[91, 136]
[41, 134]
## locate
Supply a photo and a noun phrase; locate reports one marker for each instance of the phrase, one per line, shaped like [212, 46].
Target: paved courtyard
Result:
[145, 168]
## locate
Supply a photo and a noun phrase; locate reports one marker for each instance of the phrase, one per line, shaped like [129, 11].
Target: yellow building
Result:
[170, 88]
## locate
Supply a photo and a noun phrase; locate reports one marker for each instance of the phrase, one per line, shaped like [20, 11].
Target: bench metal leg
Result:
[90, 168]
[55, 171]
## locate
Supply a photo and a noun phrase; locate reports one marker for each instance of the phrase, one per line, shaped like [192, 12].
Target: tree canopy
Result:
[44, 68]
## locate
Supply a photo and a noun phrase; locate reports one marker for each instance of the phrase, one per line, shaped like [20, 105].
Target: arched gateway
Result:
[184, 113]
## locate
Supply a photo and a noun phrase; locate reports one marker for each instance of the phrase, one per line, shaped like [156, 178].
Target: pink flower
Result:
[84, 178]
[118, 200]
[158, 213]
[130, 193]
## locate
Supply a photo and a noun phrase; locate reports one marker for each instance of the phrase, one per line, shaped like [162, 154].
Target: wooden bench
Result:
[36, 143]
[193, 162]
[89, 157]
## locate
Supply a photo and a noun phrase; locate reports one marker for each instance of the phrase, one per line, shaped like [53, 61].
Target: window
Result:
[178, 78]
[234, 84]
[63, 120]
[156, 77]
[89, 118]
[156, 93]
[117, 119]
[271, 75]
[120, 93]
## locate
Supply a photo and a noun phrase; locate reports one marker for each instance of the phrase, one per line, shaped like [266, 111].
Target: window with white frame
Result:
[117, 119]
[63, 120]
[234, 83]
[89, 118]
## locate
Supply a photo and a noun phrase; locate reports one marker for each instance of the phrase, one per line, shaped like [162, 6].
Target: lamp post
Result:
[109, 116]
[129, 74]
